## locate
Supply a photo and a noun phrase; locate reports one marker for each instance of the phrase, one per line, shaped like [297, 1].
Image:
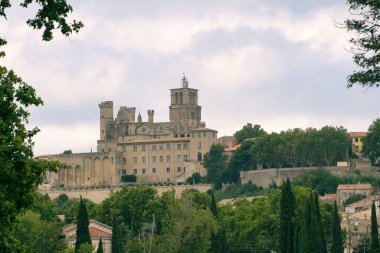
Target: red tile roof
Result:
[94, 232]
[358, 134]
[354, 187]
[232, 148]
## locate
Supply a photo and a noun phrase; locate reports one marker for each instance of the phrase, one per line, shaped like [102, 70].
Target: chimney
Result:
[150, 116]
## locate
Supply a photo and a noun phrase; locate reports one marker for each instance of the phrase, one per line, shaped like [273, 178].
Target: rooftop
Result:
[358, 134]
[354, 187]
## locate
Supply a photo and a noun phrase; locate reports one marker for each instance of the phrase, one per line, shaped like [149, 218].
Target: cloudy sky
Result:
[278, 63]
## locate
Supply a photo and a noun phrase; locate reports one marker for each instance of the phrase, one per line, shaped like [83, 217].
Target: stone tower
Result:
[184, 107]
[106, 115]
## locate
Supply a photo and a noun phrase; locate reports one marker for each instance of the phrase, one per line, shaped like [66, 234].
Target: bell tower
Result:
[184, 108]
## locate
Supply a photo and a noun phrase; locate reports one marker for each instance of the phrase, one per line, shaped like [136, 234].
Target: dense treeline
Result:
[142, 221]
[292, 148]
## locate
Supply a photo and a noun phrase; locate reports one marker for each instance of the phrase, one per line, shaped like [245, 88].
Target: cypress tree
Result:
[100, 246]
[310, 234]
[336, 232]
[375, 247]
[83, 234]
[117, 246]
[218, 238]
[287, 213]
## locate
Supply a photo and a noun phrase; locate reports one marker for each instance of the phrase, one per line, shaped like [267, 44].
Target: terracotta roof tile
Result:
[232, 148]
[94, 232]
[358, 134]
[354, 187]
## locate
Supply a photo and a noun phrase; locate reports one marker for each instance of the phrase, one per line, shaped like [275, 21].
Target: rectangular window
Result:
[185, 146]
[134, 171]
[184, 169]
[123, 171]
[124, 160]
[143, 171]
[167, 146]
[143, 148]
[134, 159]
[178, 146]
[154, 159]
[199, 135]
[168, 158]
[167, 170]
[185, 158]
[179, 169]
[143, 159]
[161, 147]
[161, 159]
[124, 148]
[154, 170]
[178, 158]
[154, 148]
[199, 145]
[204, 134]
[134, 148]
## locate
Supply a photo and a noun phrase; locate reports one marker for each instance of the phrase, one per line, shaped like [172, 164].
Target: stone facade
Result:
[153, 151]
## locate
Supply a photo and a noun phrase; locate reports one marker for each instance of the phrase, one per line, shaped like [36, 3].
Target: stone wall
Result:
[264, 178]
[98, 195]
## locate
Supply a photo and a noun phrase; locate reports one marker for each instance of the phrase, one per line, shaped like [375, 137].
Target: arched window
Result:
[180, 98]
[199, 156]
[176, 97]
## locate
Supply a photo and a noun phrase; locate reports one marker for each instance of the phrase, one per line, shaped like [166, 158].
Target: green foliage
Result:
[365, 46]
[354, 198]
[194, 179]
[375, 246]
[100, 246]
[68, 152]
[85, 248]
[215, 162]
[37, 235]
[213, 207]
[242, 159]
[320, 179]
[20, 173]
[287, 214]
[310, 238]
[82, 232]
[128, 178]
[117, 245]
[371, 144]
[337, 240]
[249, 131]
[240, 190]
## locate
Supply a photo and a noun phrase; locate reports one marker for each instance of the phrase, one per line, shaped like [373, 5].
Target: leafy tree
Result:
[365, 46]
[337, 240]
[100, 246]
[194, 179]
[37, 235]
[320, 179]
[20, 173]
[249, 131]
[334, 144]
[82, 232]
[242, 160]
[371, 143]
[215, 162]
[354, 198]
[287, 213]
[375, 246]
[68, 152]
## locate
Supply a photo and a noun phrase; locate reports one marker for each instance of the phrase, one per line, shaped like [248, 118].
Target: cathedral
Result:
[153, 151]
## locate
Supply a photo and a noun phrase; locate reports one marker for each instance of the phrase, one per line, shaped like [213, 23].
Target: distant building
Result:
[227, 141]
[97, 230]
[345, 191]
[153, 151]
[357, 142]
[230, 151]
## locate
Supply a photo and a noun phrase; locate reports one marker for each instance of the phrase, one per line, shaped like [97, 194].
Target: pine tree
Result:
[213, 207]
[117, 246]
[287, 213]
[100, 246]
[336, 232]
[375, 247]
[310, 233]
[83, 233]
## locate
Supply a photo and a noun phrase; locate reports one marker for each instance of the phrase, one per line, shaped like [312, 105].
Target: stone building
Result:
[153, 151]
